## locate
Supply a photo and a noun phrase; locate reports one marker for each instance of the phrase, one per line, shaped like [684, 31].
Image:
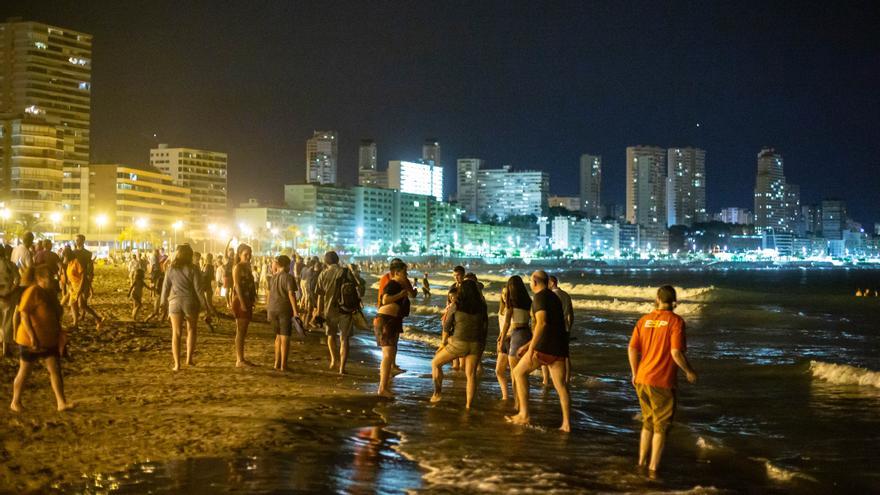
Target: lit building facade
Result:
[368, 173]
[466, 182]
[686, 186]
[46, 72]
[735, 215]
[416, 178]
[120, 199]
[591, 185]
[771, 202]
[204, 173]
[833, 219]
[646, 186]
[32, 168]
[322, 154]
[331, 210]
[571, 203]
[504, 193]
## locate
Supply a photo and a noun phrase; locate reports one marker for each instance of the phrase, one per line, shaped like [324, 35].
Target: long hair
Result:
[517, 295]
[469, 299]
[183, 257]
[241, 248]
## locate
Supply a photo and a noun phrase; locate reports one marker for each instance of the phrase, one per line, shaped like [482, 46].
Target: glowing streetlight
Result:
[176, 226]
[100, 222]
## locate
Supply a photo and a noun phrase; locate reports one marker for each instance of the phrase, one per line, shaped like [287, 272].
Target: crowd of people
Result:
[535, 320]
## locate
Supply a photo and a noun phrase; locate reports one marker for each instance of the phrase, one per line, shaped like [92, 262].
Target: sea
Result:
[788, 400]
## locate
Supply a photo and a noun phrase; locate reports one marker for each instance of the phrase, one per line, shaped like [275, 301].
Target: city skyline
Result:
[779, 111]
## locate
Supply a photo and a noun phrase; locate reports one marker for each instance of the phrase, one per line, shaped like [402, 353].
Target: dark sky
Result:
[533, 85]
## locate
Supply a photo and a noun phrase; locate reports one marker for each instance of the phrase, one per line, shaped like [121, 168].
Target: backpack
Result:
[348, 296]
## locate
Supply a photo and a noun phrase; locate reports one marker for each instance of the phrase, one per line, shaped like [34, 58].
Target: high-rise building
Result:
[204, 174]
[833, 219]
[571, 203]
[771, 201]
[431, 152]
[795, 220]
[416, 178]
[46, 71]
[735, 215]
[812, 218]
[686, 186]
[503, 193]
[122, 199]
[31, 167]
[591, 185]
[368, 173]
[466, 179]
[646, 186]
[321, 158]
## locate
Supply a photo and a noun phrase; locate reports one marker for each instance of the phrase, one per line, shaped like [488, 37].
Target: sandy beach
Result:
[130, 407]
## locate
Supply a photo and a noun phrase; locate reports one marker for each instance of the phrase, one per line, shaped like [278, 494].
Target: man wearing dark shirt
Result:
[548, 347]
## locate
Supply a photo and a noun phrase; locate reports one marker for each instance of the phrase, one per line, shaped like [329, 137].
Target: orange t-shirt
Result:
[44, 313]
[654, 337]
[382, 283]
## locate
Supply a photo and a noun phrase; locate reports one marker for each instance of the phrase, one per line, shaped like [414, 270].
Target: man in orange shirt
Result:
[657, 346]
[395, 265]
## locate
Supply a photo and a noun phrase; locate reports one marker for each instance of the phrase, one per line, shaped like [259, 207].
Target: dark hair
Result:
[139, 274]
[469, 299]
[666, 294]
[283, 261]
[554, 280]
[458, 269]
[331, 258]
[541, 276]
[241, 248]
[183, 257]
[517, 295]
[471, 276]
[397, 265]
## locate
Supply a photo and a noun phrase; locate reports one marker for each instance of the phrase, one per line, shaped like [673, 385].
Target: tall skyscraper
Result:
[31, 167]
[504, 192]
[368, 174]
[416, 178]
[321, 158]
[466, 180]
[204, 174]
[646, 186]
[46, 72]
[771, 210]
[431, 151]
[591, 185]
[686, 186]
[833, 219]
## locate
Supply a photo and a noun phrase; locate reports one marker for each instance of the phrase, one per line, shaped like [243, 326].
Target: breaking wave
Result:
[842, 374]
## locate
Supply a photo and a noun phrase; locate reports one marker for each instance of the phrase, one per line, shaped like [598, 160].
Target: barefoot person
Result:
[9, 287]
[549, 347]
[337, 324]
[244, 298]
[388, 325]
[568, 311]
[39, 334]
[469, 318]
[657, 346]
[514, 332]
[80, 276]
[136, 292]
[411, 292]
[183, 296]
[281, 308]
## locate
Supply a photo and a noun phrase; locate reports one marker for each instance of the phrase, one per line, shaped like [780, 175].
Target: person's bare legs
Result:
[545, 376]
[53, 365]
[241, 328]
[557, 375]
[442, 357]
[331, 347]
[501, 366]
[176, 323]
[520, 376]
[191, 322]
[657, 444]
[568, 370]
[284, 348]
[343, 353]
[277, 345]
[388, 353]
[645, 446]
[456, 364]
[24, 369]
[512, 362]
[470, 371]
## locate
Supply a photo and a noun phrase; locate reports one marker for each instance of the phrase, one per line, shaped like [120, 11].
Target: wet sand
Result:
[130, 407]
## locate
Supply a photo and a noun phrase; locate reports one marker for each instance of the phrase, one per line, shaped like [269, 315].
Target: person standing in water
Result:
[426, 286]
[388, 324]
[548, 346]
[656, 351]
[514, 332]
[568, 311]
[243, 301]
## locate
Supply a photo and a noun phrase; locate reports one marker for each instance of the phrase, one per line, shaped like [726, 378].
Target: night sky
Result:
[531, 85]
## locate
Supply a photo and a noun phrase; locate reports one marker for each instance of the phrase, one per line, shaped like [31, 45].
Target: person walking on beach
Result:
[243, 301]
[136, 293]
[23, 254]
[337, 323]
[388, 325]
[469, 318]
[9, 287]
[568, 312]
[228, 269]
[81, 276]
[51, 259]
[39, 335]
[208, 285]
[548, 346]
[183, 297]
[426, 286]
[656, 351]
[281, 308]
[514, 332]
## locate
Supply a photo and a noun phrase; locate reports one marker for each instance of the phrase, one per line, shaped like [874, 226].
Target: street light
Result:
[141, 224]
[176, 226]
[100, 221]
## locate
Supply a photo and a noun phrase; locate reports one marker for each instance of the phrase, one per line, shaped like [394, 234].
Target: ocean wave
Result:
[842, 374]
[618, 306]
[781, 474]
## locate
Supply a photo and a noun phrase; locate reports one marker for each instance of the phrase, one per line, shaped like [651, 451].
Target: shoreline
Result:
[130, 408]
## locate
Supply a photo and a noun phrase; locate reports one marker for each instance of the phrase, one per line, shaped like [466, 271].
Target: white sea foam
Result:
[618, 306]
[781, 474]
[842, 374]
